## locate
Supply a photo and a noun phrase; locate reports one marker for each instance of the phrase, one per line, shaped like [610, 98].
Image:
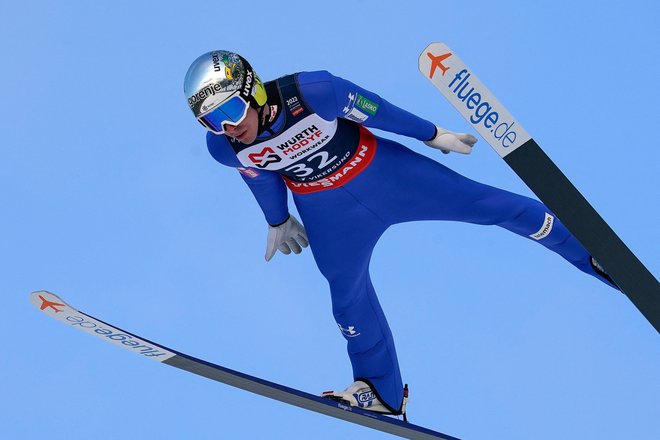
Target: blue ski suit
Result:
[349, 186]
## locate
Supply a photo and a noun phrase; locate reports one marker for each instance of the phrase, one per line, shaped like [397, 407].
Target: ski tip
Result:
[435, 44]
[47, 301]
[431, 59]
[434, 48]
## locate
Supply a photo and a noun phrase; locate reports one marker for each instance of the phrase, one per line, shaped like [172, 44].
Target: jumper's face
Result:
[246, 130]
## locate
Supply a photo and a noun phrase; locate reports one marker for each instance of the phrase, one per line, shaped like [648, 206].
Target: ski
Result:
[520, 151]
[54, 306]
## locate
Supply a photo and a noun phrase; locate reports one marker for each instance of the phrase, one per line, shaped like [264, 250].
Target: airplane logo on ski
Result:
[52, 304]
[436, 61]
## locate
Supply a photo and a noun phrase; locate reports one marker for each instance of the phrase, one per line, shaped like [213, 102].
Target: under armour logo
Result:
[349, 332]
[265, 158]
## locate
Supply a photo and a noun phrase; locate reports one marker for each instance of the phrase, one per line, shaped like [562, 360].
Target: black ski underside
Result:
[548, 182]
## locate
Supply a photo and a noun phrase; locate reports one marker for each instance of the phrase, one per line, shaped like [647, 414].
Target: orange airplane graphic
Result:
[45, 303]
[437, 62]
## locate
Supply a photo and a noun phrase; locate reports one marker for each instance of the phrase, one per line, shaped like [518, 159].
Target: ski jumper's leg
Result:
[342, 234]
[419, 188]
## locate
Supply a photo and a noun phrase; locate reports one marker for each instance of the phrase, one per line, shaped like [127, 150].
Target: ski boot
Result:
[360, 395]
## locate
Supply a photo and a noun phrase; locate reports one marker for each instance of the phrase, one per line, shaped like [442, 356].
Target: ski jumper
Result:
[349, 186]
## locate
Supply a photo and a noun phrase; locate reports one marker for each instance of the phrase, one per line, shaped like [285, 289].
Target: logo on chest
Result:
[264, 158]
[300, 140]
[303, 138]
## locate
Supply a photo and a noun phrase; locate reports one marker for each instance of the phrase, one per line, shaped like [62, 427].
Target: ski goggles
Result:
[232, 111]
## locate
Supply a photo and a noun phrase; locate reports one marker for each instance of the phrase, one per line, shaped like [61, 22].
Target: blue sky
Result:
[110, 200]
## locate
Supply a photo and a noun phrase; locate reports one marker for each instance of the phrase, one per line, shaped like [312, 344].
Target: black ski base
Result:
[548, 182]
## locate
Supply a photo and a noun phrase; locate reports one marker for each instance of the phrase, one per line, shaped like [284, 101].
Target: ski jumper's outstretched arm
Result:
[363, 106]
[330, 97]
[334, 97]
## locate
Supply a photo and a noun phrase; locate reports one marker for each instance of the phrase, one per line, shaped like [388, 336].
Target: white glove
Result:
[287, 237]
[447, 141]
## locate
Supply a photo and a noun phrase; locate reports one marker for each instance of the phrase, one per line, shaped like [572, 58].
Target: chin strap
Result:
[264, 120]
[269, 112]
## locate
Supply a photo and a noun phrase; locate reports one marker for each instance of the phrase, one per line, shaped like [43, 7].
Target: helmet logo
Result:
[247, 88]
[205, 92]
[216, 61]
[218, 64]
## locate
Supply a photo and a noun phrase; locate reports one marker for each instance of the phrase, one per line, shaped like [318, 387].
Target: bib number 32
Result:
[303, 170]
